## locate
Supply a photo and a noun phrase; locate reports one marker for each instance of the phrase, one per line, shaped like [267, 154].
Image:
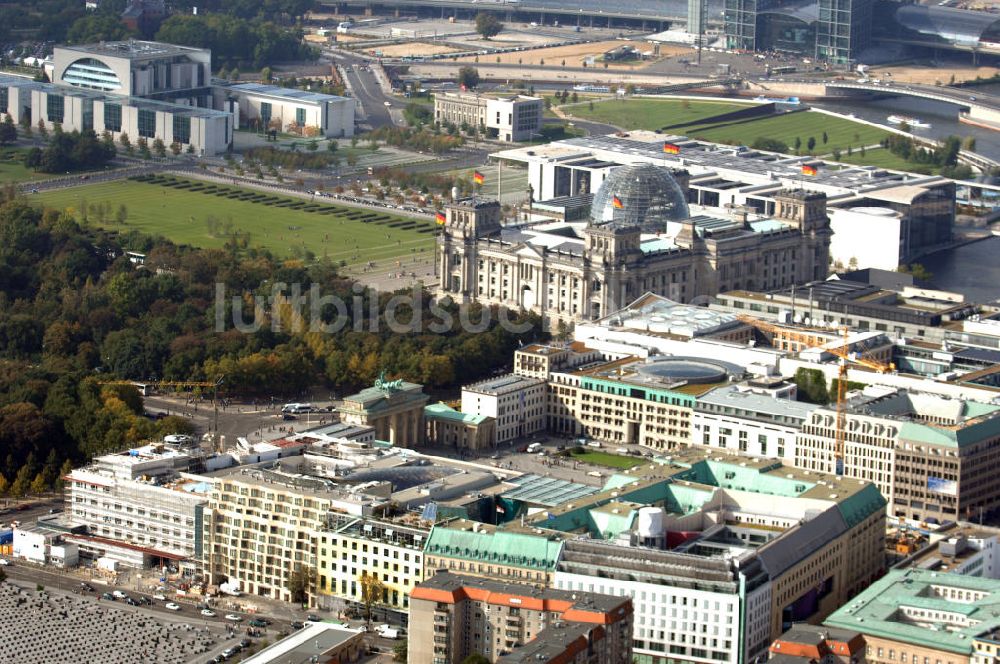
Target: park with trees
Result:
[76, 313]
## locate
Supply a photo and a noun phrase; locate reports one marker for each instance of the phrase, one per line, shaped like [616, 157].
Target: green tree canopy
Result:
[488, 25]
[468, 77]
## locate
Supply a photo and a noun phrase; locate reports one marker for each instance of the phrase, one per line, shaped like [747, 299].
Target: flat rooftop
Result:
[735, 397]
[502, 384]
[895, 606]
[655, 313]
[306, 645]
[285, 93]
[133, 49]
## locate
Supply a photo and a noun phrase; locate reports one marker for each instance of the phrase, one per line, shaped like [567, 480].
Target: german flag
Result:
[478, 177]
[670, 148]
[808, 170]
[440, 218]
[616, 203]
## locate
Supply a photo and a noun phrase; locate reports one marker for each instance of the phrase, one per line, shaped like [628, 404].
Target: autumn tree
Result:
[371, 593]
[299, 583]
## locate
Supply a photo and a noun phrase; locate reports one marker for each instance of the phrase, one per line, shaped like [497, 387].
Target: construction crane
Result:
[817, 338]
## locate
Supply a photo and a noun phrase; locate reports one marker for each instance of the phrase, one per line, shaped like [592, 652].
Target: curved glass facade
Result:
[949, 25]
[91, 73]
[647, 196]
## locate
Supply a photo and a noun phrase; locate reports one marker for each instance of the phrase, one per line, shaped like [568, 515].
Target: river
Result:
[971, 269]
[942, 117]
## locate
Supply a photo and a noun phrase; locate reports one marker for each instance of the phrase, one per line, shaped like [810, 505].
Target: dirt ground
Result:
[931, 75]
[414, 48]
[575, 54]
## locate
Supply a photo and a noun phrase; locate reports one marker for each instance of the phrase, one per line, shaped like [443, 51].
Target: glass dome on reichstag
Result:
[639, 195]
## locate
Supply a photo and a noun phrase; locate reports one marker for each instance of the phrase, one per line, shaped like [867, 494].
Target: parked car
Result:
[86, 586]
[5, 562]
[119, 594]
[257, 622]
[297, 625]
[160, 597]
[312, 617]
[208, 613]
[234, 617]
[108, 596]
[172, 606]
[246, 643]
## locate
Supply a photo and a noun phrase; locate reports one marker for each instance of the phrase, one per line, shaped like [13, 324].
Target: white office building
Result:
[868, 237]
[151, 90]
[514, 118]
[686, 608]
[288, 109]
[737, 419]
[137, 498]
[517, 403]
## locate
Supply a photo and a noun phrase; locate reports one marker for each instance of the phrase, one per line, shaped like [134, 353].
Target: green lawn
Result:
[277, 223]
[882, 158]
[606, 459]
[12, 167]
[650, 114]
[840, 133]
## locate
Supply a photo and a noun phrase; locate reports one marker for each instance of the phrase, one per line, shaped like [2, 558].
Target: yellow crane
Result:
[816, 338]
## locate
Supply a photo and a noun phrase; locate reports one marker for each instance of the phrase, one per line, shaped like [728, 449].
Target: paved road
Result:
[255, 422]
[366, 89]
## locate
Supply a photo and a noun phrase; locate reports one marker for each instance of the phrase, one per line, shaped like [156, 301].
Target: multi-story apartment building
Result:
[817, 644]
[478, 549]
[513, 118]
[816, 538]
[262, 526]
[137, 504]
[859, 306]
[687, 607]
[351, 548]
[631, 401]
[540, 360]
[516, 403]
[934, 458]
[917, 616]
[736, 418]
[961, 548]
[453, 616]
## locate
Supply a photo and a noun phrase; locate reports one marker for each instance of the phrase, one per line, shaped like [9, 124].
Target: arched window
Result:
[93, 74]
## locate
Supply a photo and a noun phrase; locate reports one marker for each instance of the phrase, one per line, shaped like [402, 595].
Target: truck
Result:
[387, 632]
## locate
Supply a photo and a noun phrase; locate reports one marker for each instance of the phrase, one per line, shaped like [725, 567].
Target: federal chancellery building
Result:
[154, 90]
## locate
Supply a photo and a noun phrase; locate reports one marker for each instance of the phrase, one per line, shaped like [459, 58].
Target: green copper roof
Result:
[445, 412]
[860, 505]
[536, 552]
[729, 475]
[965, 434]
[607, 524]
[877, 611]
